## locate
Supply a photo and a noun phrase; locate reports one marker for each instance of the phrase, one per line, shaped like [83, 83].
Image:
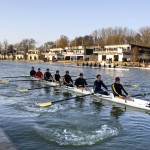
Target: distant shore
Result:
[132, 64]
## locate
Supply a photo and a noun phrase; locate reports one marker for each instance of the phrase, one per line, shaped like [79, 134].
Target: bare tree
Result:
[62, 42]
[145, 35]
[49, 45]
[25, 45]
[5, 43]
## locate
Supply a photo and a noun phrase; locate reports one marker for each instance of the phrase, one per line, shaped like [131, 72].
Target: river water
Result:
[79, 123]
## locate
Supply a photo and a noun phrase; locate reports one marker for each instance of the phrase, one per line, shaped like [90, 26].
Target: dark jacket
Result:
[80, 82]
[98, 85]
[57, 77]
[117, 89]
[47, 76]
[67, 79]
[32, 73]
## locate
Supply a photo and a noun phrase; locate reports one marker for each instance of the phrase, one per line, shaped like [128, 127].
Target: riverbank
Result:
[128, 64]
[5, 142]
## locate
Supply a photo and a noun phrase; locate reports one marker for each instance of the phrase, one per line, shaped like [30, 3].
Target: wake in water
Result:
[34, 108]
[75, 136]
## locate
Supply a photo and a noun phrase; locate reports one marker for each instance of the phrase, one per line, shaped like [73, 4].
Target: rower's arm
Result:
[85, 82]
[54, 78]
[104, 85]
[45, 77]
[124, 90]
[76, 83]
[71, 80]
[64, 80]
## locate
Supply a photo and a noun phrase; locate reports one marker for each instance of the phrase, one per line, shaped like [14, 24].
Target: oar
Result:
[26, 90]
[6, 81]
[89, 78]
[17, 77]
[142, 94]
[50, 103]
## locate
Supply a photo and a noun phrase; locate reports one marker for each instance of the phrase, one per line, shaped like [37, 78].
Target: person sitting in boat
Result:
[32, 72]
[48, 76]
[83, 64]
[67, 79]
[87, 64]
[91, 65]
[80, 82]
[99, 65]
[95, 65]
[98, 84]
[39, 74]
[104, 65]
[57, 77]
[117, 89]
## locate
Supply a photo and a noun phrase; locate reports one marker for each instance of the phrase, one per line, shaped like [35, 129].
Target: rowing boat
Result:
[146, 68]
[136, 103]
[125, 69]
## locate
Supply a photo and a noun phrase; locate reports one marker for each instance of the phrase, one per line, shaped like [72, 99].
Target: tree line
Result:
[100, 37]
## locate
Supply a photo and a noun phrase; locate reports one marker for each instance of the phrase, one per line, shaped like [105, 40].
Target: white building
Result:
[68, 53]
[33, 55]
[114, 53]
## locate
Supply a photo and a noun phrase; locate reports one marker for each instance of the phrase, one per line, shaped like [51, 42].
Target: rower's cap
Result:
[67, 71]
[32, 67]
[117, 79]
[81, 74]
[39, 69]
[47, 69]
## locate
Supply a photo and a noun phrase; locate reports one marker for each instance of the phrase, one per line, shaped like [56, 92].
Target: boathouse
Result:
[123, 53]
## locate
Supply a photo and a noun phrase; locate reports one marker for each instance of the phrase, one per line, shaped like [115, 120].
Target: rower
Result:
[83, 64]
[48, 76]
[95, 65]
[80, 82]
[99, 65]
[57, 76]
[117, 89]
[32, 72]
[98, 84]
[87, 64]
[39, 74]
[67, 79]
[91, 65]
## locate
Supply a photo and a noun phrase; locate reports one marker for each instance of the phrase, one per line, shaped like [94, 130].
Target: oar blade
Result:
[4, 81]
[23, 90]
[44, 104]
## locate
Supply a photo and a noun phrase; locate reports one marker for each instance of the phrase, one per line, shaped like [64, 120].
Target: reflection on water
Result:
[117, 111]
[97, 106]
[79, 101]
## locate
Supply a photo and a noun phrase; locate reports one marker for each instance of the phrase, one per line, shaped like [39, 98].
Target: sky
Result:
[47, 20]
